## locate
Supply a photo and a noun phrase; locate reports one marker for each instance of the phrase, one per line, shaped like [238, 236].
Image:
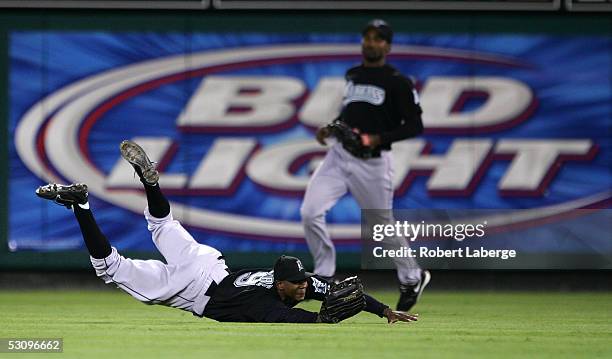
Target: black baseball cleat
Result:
[64, 195]
[410, 293]
[137, 157]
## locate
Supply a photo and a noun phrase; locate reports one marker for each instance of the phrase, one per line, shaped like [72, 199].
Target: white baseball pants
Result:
[370, 181]
[181, 283]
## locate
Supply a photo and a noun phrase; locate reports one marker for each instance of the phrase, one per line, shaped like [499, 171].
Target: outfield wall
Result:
[79, 82]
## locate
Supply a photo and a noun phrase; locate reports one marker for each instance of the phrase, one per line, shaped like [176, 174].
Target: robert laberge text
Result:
[424, 252]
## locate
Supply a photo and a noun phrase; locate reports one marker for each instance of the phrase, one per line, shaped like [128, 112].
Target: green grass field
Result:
[110, 324]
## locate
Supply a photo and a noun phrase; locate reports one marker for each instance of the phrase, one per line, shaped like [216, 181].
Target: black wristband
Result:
[375, 307]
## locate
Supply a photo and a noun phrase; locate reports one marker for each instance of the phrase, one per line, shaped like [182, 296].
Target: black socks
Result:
[95, 240]
[158, 204]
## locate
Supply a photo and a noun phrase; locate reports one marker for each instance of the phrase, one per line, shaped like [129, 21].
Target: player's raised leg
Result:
[75, 196]
[169, 236]
[324, 189]
[412, 278]
[149, 281]
[158, 205]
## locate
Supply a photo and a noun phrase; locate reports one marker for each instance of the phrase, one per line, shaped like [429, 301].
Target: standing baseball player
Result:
[195, 277]
[380, 106]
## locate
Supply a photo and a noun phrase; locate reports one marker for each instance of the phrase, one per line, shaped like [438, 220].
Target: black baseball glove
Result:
[351, 140]
[343, 300]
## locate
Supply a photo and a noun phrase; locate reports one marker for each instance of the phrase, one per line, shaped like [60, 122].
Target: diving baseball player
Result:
[380, 106]
[195, 277]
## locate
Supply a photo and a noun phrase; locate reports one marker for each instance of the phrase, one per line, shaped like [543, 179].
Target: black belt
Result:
[211, 289]
[364, 154]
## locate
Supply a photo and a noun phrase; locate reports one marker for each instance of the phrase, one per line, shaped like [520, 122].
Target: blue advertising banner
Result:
[513, 122]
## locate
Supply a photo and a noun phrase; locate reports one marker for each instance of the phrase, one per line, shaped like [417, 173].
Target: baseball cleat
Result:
[137, 157]
[64, 195]
[410, 293]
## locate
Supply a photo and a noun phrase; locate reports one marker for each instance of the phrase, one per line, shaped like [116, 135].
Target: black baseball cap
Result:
[382, 28]
[290, 269]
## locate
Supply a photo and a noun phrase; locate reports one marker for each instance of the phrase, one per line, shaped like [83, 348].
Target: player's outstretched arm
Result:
[346, 299]
[393, 316]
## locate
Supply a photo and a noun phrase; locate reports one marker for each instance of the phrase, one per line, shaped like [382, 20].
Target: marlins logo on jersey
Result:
[262, 279]
[363, 93]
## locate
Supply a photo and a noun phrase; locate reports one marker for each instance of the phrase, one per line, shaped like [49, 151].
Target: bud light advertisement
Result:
[518, 124]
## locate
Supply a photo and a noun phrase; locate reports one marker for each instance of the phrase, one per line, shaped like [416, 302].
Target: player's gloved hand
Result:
[343, 300]
[349, 137]
[394, 316]
[323, 133]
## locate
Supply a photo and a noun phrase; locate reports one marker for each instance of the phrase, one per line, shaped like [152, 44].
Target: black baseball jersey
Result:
[250, 296]
[381, 101]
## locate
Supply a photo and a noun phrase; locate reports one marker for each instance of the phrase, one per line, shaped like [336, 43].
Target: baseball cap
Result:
[382, 28]
[290, 269]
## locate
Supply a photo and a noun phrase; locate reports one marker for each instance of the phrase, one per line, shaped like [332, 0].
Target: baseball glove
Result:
[343, 300]
[351, 140]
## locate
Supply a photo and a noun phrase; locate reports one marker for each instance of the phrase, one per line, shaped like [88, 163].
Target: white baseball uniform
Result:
[370, 181]
[377, 101]
[181, 283]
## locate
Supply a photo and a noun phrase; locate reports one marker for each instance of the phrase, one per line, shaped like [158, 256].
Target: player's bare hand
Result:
[394, 316]
[371, 141]
[322, 134]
